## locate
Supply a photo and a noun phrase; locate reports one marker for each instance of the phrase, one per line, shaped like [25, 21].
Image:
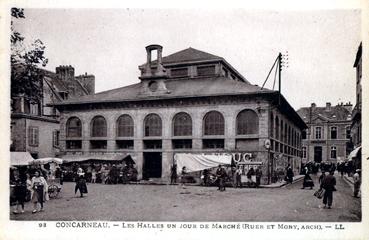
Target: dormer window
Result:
[205, 70]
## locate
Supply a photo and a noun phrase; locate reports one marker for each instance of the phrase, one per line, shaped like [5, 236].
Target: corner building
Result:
[186, 102]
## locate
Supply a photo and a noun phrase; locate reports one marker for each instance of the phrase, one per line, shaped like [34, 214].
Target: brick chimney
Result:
[65, 73]
[328, 106]
[348, 106]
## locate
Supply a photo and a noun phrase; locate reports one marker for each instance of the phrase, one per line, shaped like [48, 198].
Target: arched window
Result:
[152, 125]
[74, 127]
[247, 122]
[98, 127]
[213, 123]
[182, 124]
[125, 126]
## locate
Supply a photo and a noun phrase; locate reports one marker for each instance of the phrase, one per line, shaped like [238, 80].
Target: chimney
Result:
[328, 106]
[65, 73]
[348, 106]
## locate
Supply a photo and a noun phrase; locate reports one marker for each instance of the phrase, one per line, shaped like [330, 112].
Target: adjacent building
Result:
[187, 102]
[327, 138]
[35, 124]
[356, 126]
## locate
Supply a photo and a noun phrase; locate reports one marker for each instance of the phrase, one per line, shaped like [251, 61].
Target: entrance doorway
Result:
[318, 154]
[151, 165]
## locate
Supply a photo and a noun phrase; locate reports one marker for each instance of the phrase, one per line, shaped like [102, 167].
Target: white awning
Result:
[354, 153]
[198, 162]
[20, 158]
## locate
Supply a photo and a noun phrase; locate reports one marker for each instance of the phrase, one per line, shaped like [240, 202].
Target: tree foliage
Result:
[26, 75]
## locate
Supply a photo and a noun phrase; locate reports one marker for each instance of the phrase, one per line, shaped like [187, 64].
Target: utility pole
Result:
[279, 76]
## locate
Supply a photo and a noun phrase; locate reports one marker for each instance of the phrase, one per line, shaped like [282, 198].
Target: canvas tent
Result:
[198, 162]
[20, 158]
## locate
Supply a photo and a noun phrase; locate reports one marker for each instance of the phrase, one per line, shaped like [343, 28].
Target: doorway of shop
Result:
[151, 165]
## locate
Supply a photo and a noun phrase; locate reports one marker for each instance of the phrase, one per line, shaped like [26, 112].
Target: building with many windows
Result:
[356, 126]
[35, 124]
[327, 138]
[187, 102]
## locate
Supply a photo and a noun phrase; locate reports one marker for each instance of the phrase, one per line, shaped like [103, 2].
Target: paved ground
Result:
[172, 203]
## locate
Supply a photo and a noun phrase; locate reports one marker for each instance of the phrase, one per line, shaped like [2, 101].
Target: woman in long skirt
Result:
[80, 183]
[39, 190]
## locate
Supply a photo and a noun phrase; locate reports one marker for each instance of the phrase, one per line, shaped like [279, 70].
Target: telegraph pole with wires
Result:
[280, 62]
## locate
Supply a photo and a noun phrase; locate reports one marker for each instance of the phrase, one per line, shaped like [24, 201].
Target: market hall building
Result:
[187, 102]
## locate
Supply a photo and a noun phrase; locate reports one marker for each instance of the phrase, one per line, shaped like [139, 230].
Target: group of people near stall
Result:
[107, 173]
[221, 176]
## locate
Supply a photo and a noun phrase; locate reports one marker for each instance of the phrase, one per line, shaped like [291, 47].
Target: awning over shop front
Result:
[97, 157]
[354, 153]
[198, 162]
[20, 158]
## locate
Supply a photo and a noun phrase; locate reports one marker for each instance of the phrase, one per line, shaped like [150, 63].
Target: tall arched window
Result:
[182, 124]
[152, 125]
[213, 123]
[125, 126]
[98, 127]
[74, 127]
[247, 122]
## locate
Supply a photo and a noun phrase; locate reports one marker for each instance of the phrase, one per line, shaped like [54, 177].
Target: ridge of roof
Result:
[189, 54]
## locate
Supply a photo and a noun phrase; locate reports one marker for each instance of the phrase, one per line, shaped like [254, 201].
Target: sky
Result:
[110, 43]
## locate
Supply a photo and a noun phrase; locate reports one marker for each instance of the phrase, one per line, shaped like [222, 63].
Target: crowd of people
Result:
[105, 173]
[327, 182]
[222, 176]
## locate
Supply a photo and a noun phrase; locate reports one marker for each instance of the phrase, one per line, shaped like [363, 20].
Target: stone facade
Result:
[327, 138]
[169, 97]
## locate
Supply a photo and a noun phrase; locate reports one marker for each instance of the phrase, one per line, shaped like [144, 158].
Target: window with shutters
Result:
[56, 134]
[33, 137]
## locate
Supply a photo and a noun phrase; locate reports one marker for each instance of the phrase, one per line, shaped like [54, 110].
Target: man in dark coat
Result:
[328, 184]
[221, 175]
[173, 174]
[289, 175]
[258, 176]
